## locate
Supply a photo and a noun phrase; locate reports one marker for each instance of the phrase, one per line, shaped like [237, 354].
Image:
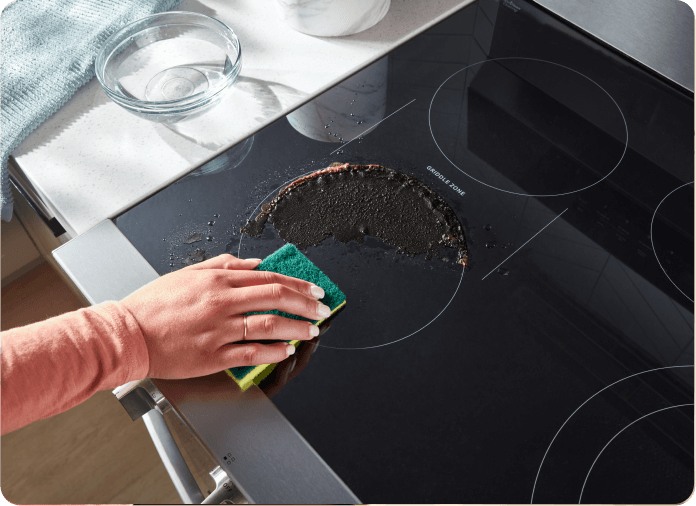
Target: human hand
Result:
[193, 319]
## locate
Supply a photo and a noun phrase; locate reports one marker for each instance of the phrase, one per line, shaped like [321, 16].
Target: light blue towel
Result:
[48, 50]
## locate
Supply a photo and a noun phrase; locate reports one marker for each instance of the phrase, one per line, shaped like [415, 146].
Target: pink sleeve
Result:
[50, 366]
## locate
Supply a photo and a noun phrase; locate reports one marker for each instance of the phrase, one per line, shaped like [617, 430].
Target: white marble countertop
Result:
[92, 159]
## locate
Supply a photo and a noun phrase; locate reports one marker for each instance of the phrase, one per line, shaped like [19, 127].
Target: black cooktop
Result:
[558, 365]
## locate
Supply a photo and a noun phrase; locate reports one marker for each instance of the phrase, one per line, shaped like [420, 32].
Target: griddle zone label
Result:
[446, 181]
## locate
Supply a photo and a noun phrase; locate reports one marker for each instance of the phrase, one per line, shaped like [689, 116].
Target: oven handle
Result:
[173, 461]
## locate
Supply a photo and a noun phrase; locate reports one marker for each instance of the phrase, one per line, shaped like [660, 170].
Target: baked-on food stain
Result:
[194, 238]
[196, 256]
[349, 202]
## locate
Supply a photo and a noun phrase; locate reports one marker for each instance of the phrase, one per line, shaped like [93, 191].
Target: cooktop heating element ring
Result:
[652, 243]
[239, 249]
[623, 118]
[617, 435]
[582, 405]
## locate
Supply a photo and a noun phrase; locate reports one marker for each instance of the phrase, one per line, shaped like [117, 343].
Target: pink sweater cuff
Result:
[53, 365]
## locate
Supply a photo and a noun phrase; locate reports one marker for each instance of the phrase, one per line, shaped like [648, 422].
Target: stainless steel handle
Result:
[140, 396]
[173, 461]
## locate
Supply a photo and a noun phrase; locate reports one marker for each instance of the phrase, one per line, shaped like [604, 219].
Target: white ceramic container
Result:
[331, 18]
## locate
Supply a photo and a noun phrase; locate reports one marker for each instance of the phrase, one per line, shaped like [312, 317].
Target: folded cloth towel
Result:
[47, 52]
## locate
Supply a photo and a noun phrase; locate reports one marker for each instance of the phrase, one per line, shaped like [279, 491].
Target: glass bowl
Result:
[169, 66]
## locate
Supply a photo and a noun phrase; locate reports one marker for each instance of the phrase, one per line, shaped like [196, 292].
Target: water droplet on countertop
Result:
[216, 216]
[211, 223]
[209, 238]
[503, 271]
[491, 244]
[487, 226]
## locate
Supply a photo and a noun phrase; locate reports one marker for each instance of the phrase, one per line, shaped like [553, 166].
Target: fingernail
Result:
[291, 349]
[323, 310]
[317, 292]
[313, 330]
[254, 259]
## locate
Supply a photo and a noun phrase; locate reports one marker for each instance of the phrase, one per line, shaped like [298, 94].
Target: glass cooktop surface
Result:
[557, 366]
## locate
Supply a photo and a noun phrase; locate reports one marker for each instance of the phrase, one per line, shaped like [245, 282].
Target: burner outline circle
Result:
[517, 193]
[616, 435]
[581, 405]
[653, 245]
[239, 249]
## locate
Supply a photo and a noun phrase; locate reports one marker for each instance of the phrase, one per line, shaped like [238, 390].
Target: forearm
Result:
[51, 366]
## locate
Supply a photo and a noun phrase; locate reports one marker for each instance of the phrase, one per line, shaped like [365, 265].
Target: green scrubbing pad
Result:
[289, 261]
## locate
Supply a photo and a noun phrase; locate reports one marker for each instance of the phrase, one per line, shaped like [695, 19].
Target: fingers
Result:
[254, 278]
[280, 297]
[270, 326]
[226, 261]
[238, 355]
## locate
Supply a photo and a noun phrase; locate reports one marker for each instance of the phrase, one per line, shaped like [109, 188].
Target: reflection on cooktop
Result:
[533, 144]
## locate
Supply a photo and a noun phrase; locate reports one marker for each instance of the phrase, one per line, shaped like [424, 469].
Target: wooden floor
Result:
[92, 453]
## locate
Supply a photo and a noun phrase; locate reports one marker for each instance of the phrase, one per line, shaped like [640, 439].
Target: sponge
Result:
[289, 261]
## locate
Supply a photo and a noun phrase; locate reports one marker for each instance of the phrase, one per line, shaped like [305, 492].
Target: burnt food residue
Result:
[349, 202]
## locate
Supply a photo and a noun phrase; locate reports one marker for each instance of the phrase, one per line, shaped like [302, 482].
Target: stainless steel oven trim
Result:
[274, 463]
[658, 34]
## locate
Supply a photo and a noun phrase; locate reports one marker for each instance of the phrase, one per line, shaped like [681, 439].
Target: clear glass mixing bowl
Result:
[169, 66]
